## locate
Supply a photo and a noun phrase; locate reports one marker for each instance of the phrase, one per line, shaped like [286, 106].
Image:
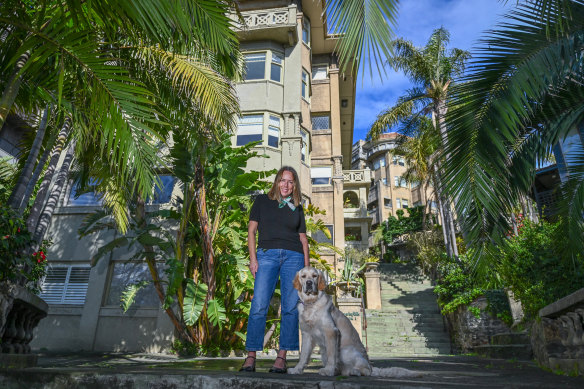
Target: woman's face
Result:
[286, 184]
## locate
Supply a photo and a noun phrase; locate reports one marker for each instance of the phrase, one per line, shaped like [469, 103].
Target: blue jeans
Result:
[273, 263]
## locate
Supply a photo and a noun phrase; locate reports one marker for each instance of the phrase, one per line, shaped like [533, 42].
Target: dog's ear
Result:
[296, 282]
[321, 282]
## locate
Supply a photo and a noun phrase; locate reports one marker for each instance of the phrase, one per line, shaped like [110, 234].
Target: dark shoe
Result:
[248, 368]
[279, 370]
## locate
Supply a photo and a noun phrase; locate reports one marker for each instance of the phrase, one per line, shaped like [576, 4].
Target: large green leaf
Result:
[216, 312]
[194, 301]
[129, 294]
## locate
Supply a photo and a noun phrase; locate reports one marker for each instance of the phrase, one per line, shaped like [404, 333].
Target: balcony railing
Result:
[277, 24]
[357, 176]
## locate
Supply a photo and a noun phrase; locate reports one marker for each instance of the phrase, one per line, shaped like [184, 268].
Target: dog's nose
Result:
[309, 284]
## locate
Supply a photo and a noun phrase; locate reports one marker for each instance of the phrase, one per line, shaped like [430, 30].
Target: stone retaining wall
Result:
[557, 336]
[469, 331]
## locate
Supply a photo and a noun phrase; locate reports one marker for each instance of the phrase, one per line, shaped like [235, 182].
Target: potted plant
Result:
[371, 263]
[349, 280]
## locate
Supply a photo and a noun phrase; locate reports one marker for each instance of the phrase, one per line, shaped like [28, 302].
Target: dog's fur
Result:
[324, 325]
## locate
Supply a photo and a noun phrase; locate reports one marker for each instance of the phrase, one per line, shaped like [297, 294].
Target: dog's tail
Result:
[394, 372]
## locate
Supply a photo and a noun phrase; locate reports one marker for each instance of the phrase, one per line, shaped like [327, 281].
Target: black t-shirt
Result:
[278, 227]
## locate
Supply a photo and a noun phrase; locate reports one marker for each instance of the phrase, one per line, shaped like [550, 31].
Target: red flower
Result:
[34, 254]
[39, 260]
[18, 230]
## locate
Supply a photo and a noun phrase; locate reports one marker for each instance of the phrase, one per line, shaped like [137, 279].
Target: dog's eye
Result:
[304, 276]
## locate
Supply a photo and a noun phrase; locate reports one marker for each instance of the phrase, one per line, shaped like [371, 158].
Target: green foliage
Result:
[428, 246]
[456, 287]
[537, 268]
[194, 301]
[393, 227]
[129, 294]
[17, 263]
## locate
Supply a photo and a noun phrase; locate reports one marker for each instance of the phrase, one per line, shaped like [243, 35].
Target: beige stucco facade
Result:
[281, 111]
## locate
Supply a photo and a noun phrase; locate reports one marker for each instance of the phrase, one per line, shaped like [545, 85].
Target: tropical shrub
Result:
[17, 263]
[536, 267]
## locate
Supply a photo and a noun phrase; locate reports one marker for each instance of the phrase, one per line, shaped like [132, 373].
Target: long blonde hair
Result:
[274, 193]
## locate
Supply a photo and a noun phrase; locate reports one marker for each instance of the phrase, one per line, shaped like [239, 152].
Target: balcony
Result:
[381, 147]
[356, 177]
[276, 24]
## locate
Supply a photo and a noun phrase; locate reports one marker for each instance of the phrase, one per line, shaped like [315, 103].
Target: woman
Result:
[282, 251]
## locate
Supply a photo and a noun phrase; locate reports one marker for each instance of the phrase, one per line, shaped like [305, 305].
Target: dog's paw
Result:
[295, 370]
[327, 371]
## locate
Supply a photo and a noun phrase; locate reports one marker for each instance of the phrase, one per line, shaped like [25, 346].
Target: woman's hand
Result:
[253, 266]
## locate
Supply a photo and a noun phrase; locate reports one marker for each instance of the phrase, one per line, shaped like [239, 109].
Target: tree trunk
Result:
[151, 262]
[16, 197]
[206, 230]
[39, 202]
[36, 174]
[11, 90]
[443, 219]
[45, 218]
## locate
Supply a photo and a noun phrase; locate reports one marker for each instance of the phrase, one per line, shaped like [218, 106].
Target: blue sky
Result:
[465, 19]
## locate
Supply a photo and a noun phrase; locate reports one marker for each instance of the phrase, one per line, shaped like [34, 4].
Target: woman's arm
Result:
[252, 228]
[304, 241]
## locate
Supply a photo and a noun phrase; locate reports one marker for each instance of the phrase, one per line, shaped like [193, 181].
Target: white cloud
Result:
[465, 19]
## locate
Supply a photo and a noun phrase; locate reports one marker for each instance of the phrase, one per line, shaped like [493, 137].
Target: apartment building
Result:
[375, 188]
[294, 100]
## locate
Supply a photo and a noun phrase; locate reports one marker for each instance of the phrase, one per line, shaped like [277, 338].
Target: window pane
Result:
[163, 194]
[88, 198]
[396, 180]
[321, 175]
[304, 84]
[128, 273]
[306, 31]
[387, 202]
[320, 236]
[304, 150]
[404, 203]
[319, 73]
[255, 66]
[276, 68]
[321, 122]
[249, 129]
[274, 131]
[398, 203]
[65, 284]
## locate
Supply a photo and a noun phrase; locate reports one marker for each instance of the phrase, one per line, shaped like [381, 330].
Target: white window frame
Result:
[320, 115]
[257, 54]
[320, 72]
[405, 203]
[66, 292]
[320, 172]
[276, 63]
[252, 128]
[306, 31]
[398, 203]
[305, 85]
[304, 151]
[274, 129]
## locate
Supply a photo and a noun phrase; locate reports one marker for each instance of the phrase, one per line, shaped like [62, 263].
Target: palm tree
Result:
[432, 69]
[105, 75]
[419, 150]
[523, 94]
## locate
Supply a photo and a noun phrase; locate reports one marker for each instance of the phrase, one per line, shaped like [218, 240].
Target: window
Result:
[432, 205]
[306, 31]
[86, 198]
[163, 194]
[249, 129]
[276, 68]
[379, 163]
[321, 122]
[400, 182]
[273, 131]
[398, 203]
[304, 85]
[321, 237]
[319, 72]
[255, 66]
[321, 175]
[304, 149]
[384, 180]
[387, 202]
[396, 160]
[65, 284]
[405, 203]
[126, 273]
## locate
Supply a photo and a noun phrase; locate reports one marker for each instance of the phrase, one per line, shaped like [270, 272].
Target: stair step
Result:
[510, 338]
[517, 351]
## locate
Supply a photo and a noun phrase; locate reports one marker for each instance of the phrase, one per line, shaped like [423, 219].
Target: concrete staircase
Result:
[409, 322]
[510, 345]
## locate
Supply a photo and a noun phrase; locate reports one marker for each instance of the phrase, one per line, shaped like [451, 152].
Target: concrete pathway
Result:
[130, 371]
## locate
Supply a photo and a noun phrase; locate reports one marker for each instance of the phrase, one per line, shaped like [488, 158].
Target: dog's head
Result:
[310, 283]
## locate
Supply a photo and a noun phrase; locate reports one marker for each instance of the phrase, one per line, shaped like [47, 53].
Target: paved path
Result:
[130, 371]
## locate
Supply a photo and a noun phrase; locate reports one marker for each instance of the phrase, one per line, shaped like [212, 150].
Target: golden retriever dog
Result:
[324, 325]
